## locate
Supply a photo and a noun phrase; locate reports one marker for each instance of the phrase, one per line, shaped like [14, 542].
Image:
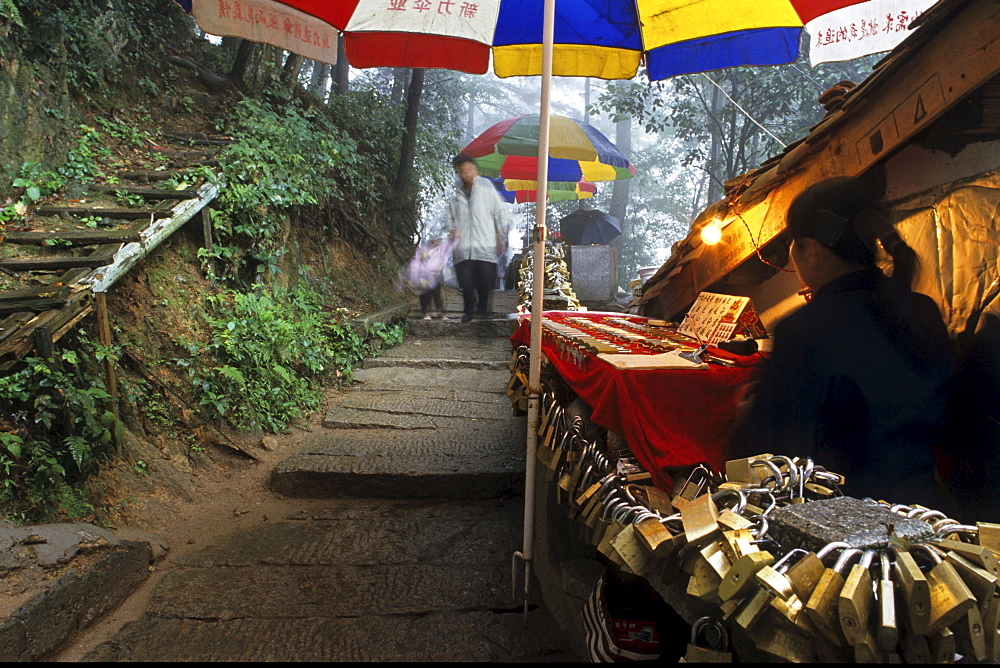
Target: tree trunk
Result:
[618, 206]
[320, 75]
[470, 125]
[341, 70]
[715, 188]
[239, 70]
[290, 71]
[399, 78]
[401, 218]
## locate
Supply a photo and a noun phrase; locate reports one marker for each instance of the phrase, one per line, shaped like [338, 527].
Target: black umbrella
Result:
[589, 226]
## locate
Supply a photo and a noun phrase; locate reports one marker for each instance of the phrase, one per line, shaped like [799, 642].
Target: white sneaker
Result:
[427, 317]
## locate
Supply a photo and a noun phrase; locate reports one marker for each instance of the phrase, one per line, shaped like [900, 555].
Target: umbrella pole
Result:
[537, 298]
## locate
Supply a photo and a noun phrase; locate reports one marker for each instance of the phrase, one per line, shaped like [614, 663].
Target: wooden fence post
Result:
[104, 331]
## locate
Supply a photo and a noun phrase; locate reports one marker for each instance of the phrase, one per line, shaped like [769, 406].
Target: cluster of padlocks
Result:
[914, 599]
[558, 291]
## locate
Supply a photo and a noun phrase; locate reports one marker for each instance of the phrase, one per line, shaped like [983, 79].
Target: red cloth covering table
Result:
[671, 418]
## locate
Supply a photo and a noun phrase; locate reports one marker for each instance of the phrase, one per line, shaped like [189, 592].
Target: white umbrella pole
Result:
[537, 297]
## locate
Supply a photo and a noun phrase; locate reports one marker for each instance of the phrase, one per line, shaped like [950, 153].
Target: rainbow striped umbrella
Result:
[577, 152]
[521, 191]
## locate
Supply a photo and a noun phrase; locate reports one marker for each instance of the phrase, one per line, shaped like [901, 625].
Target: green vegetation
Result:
[59, 431]
[270, 353]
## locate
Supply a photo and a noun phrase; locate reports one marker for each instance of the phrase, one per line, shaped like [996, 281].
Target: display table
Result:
[671, 418]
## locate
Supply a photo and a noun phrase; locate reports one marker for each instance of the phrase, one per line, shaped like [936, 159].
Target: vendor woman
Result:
[859, 375]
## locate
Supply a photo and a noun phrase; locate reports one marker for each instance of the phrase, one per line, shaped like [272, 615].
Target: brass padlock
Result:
[652, 497]
[773, 577]
[604, 546]
[741, 576]
[706, 649]
[651, 533]
[915, 591]
[700, 518]
[988, 535]
[854, 602]
[977, 554]
[914, 646]
[886, 629]
[942, 646]
[730, 521]
[990, 610]
[742, 470]
[866, 651]
[716, 558]
[752, 608]
[950, 596]
[970, 637]
[704, 581]
[629, 548]
[781, 642]
[737, 543]
[981, 582]
[692, 487]
[805, 573]
[822, 604]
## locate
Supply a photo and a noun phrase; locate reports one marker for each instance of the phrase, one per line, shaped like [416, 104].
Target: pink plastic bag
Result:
[423, 273]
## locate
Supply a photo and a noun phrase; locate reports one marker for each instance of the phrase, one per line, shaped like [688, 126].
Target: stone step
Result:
[367, 580]
[351, 418]
[458, 379]
[376, 532]
[464, 636]
[450, 352]
[335, 591]
[435, 409]
[477, 460]
[452, 326]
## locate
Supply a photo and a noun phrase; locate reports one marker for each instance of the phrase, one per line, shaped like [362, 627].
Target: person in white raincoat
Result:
[477, 221]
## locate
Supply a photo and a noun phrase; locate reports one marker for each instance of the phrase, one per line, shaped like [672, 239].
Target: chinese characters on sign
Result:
[269, 22]
[862, 29]
[464, 9]
[464, 19]
[715, 317]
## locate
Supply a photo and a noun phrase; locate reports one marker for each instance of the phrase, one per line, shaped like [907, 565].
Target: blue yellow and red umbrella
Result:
[577, 152]
[521, 191]
[609, 39]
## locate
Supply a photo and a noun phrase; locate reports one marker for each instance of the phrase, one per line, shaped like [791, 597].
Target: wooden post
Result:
[206, 230]
[43, 342]
[104, 331]
[206, 227]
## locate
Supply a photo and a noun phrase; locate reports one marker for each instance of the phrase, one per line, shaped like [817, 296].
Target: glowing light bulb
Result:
[711, 234]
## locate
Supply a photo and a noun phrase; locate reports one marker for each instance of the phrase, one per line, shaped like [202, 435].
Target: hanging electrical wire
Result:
[745, 112]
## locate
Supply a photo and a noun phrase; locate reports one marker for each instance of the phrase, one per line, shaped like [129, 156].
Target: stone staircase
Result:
[429, 419]
[400, 518]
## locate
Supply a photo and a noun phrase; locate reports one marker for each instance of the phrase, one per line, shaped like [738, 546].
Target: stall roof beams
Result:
[955, 52]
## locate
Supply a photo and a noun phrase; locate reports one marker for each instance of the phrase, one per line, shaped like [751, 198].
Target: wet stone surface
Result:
[408, 555]
[357, 581]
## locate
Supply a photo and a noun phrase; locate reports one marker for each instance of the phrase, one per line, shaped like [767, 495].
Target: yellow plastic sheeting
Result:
[955, 232]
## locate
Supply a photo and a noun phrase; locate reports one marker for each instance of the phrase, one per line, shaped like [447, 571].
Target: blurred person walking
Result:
[477, 223]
